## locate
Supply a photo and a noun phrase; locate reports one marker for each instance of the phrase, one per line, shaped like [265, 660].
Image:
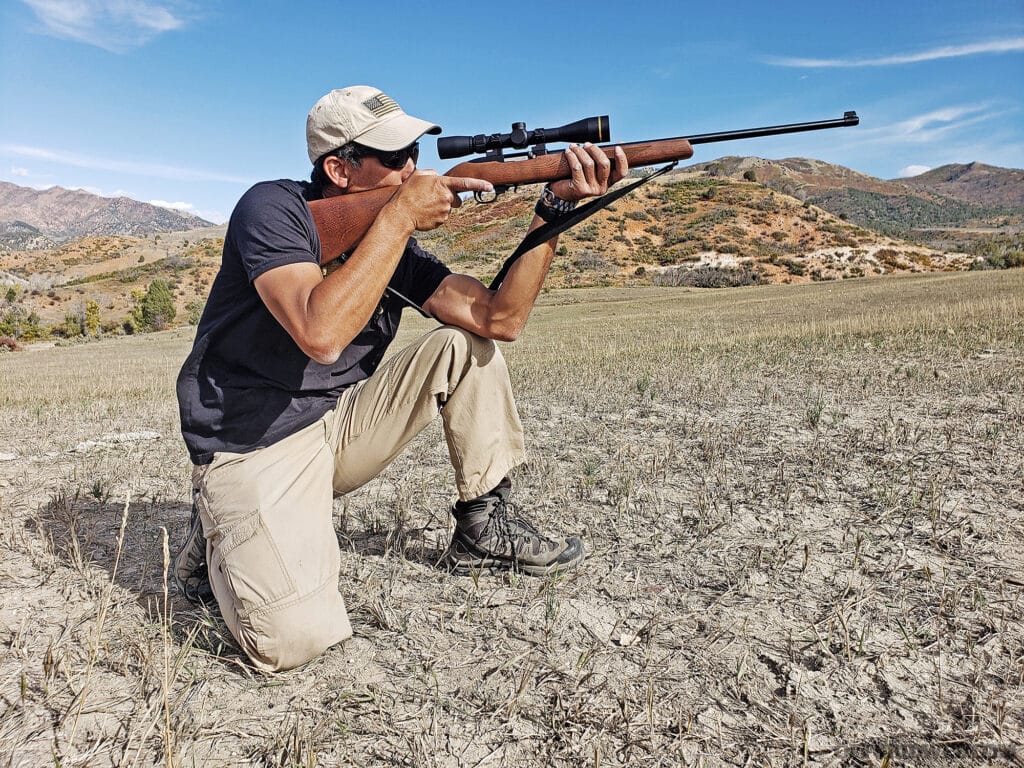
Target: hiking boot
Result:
[190, 570]
[487, 536]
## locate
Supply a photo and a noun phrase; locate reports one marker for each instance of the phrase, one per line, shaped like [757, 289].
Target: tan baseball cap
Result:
[364, 114]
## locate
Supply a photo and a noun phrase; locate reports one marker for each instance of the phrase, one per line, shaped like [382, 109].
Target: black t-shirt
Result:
[246, 383]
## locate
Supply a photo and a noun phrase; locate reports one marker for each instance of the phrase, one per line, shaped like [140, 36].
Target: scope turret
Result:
[592, 129]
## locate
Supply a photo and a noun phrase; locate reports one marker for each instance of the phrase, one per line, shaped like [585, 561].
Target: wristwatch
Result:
[549, 207]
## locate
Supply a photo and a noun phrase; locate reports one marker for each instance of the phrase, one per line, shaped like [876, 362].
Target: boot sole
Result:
[495, 565]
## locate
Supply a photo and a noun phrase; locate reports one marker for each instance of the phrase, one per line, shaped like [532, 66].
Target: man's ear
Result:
[337, 170]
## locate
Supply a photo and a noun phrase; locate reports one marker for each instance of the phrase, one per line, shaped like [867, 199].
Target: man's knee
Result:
[288, 636]
[464, 344]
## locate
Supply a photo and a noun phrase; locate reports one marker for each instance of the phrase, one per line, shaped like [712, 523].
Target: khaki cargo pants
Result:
[271, 547]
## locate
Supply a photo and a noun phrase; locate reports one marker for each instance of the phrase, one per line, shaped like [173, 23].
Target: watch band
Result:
[551, 208]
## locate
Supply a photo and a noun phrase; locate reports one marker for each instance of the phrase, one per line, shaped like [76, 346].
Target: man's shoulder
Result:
[281, 191]
[272, 201]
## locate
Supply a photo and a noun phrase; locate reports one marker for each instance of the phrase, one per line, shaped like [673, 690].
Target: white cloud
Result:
[929, 127]
[1009, 45]
[19, 172]
[114, 25]
[91, 190]
[154, 170]
[913, 170]
[173, 206]
[932, 125]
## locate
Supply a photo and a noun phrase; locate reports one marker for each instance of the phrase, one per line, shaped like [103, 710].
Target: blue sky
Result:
[187, 103]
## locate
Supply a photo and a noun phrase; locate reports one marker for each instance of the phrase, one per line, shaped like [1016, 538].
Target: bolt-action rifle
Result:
[342, 221]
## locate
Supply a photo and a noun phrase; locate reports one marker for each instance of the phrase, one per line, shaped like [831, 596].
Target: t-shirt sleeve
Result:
[419, 273]
[272, 226]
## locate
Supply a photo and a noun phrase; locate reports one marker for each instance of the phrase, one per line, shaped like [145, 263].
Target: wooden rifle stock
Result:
[554, 166]
[342, 221]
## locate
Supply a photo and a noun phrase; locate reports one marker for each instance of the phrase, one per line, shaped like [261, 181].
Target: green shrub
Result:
[792, 266]
[91, 318]
[710, 277]
[20, 324]
[154, 310]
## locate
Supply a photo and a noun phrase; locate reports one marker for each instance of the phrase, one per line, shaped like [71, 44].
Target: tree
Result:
[92, 318]
[155, 310]
[19, 323]
[195, 311]
[73, 325]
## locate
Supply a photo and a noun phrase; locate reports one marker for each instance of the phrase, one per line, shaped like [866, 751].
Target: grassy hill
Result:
[689, 222]
[951, 208]
[974, 183]
[110, 270]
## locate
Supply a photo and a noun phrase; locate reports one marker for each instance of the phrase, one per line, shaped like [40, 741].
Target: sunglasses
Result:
[394, 160]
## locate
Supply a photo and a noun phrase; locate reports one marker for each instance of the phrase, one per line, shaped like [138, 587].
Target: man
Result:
[284, 402]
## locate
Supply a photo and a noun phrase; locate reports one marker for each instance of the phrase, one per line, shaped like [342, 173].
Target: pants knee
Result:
[463, 341]
[292, 635]
[464, 344]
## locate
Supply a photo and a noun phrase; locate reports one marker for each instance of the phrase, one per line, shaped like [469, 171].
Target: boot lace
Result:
[514, 530]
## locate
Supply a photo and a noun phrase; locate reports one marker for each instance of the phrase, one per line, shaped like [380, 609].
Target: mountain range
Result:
[31, 219]
[936, 208]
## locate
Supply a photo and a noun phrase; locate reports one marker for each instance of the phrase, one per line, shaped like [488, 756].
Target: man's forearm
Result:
[518, 292]
[347, 297]
[323, 315]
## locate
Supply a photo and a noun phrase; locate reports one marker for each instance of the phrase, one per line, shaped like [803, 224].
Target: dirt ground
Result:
[804, 513]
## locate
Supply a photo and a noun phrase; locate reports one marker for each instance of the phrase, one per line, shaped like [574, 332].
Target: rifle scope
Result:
[592, 129]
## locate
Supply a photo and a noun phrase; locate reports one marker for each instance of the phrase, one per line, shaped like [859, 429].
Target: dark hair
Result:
[318, 178]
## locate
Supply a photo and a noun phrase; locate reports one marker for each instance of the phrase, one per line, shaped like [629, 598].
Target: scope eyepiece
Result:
[592, 129]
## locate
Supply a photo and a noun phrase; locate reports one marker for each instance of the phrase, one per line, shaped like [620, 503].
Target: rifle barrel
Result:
[850, 118]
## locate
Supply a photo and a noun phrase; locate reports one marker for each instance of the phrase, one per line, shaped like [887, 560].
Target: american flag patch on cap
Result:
[381, 105]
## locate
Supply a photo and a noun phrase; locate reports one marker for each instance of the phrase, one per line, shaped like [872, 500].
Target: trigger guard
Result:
[486, 197]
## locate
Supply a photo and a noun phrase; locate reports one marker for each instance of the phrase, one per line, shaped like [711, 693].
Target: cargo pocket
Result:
[252, 565]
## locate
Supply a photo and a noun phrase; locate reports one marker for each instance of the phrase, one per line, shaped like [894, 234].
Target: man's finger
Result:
[621, 164]
[572, 157]
[602, 166]
[586, 164]
[586, 156]
[466, 184]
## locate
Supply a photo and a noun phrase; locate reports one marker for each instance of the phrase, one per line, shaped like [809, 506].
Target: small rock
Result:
[626, 639]
[690, 752]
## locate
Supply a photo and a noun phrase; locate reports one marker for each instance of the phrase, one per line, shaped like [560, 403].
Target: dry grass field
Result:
[804, 509]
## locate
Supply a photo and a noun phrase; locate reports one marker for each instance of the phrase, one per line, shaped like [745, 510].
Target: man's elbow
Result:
[323, 351]
[504, 330]
[324, 357]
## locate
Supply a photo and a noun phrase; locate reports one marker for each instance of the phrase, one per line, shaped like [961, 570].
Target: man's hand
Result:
[592, 172]
[428, 199]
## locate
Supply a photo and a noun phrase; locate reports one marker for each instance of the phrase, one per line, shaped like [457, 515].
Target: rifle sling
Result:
[549, 230]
